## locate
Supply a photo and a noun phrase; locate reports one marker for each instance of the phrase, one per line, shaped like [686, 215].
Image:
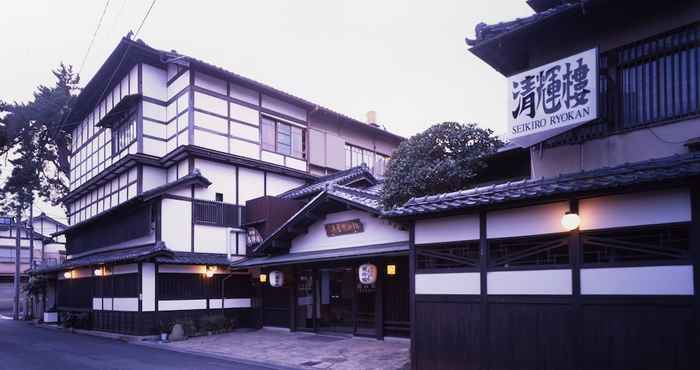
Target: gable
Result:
[375, 231]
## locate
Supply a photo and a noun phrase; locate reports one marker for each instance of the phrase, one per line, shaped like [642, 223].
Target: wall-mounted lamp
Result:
[570, 221]
[391, 270]
[263, 278]
[210, 271]
[99, 271]
[68, 274]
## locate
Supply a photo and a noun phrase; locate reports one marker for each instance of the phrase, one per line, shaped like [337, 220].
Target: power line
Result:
[144, 18]
[94, 36]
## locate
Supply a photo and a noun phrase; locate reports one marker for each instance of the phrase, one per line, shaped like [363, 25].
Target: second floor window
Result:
[283, 138]
[123, 135]
[355, 156]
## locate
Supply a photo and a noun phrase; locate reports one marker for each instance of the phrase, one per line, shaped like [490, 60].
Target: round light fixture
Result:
[570, 221]
[67, 274]
[99, 272]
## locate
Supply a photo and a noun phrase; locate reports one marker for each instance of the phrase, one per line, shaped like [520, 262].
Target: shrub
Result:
[165, 326]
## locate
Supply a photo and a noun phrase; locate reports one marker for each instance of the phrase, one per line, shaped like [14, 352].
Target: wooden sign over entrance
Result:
[344, 228]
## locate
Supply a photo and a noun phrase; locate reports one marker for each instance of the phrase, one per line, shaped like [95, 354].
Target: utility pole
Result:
[30, 298]
[18, 246]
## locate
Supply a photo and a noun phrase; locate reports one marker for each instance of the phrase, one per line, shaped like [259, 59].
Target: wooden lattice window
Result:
[546, 250]
[646, 244]
[463, 255]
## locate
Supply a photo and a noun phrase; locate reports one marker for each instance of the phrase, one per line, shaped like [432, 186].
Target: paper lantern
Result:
[367, 273]
[276, 279]
[570, 221]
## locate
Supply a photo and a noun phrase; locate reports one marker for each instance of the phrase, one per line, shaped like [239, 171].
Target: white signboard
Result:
[553, 98]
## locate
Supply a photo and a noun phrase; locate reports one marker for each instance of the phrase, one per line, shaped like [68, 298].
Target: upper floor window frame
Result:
[282, 137]
[124, 134]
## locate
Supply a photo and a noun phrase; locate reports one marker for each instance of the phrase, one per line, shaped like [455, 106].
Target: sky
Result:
[405, 59]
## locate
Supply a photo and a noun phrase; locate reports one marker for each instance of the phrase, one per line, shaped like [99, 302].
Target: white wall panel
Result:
[210, 104]
[222, 177]
[148, 287]
[237, 303]
[107, 304]
[211, 122]
[245, 149]
[125, 304]
[646, 280]
[524, 221]
[278, 184]
[283, 107]
[376, 231]
[124, 269]
[178, 85]
[447, 229]
[155, 129]
[252, 184]
[272, 157]
[210, 83]
[449, 283]
[182, 269]
[175, 224]
[154, 111]
[244, 114]
[182, 304]
[210, 239]
[154, 82]
[153, 147]
[245, 131]
[153, 177]
[243, 93]
[648, 208]
[530, 282]
[296, 164]
[210, 140]
[96, 303]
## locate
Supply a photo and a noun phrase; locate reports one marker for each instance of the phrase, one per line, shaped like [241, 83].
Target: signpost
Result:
[553, 98]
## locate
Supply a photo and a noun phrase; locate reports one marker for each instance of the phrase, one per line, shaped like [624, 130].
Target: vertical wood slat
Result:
[483, 273]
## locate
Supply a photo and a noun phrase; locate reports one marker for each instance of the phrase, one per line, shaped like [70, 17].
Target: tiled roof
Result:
[363, 197]
[657, 170]
[339, 178]
[486, 32]
[120, 255]
[191, 258]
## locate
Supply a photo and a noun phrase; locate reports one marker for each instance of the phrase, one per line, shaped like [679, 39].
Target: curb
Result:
[217, 356]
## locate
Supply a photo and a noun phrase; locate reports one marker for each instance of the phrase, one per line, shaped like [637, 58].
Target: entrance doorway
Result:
[336, 293]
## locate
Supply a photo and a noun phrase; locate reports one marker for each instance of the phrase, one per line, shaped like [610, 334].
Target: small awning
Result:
[326, 255]
[114, 256]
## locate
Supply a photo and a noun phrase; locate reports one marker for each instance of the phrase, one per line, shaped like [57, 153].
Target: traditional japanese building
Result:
[593, 260]
[167, 151]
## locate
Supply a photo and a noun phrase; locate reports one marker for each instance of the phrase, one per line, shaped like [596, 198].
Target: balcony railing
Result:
[218, 213]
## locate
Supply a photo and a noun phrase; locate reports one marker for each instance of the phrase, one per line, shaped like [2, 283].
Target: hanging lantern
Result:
[276, 279]
[570, 221]
[367, 273]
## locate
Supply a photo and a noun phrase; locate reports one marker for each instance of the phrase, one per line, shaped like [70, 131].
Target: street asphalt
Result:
[26, 347]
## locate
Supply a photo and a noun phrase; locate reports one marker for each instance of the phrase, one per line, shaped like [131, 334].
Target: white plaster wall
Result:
[125, 304]
[648, 208]
[244, 114]
[154, 111]
[154, 129]
[272, 157]
[278, 184]
[148, 287]
[296, 164]
[252, 184]
[154, 82]
[535, 220]
[244, 94]
[222, 177]
[647, 280]
[210, 239]
[210, 140]
[153, 177]
[288, 109]
[447, 229]
[449, 283]
[124, 269]
[376, 231]
[558, 282]
[246, 132]
[245, 149]
[210, 104]
[210, 83]
[182, 304]
[154, 147]
[182, 269]
[178, 85]
[211, 122]
[175, 224]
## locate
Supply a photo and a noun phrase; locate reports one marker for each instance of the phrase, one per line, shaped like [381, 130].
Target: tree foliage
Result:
[36, 142]
[443, 158]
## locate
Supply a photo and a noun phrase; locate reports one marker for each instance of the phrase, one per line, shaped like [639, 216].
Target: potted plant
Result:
[165, 327]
